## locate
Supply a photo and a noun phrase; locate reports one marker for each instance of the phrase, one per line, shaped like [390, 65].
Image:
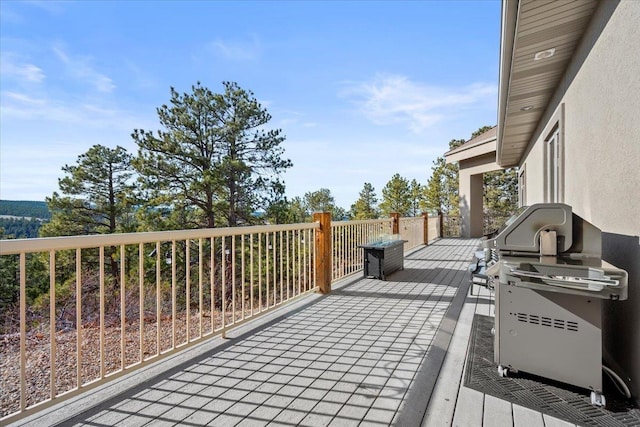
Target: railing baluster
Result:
[242, 274]
[307, 254]
[200, 280]
[23, 331]
[275, 268]
[294, 264]
[212, 279]
[141, 297]
[79, 314]
[233, 279]
[288, 264]
[267, 248]
[102, 311]
[280, 245]
[251, 271]
[187, 286]
[297, 268]
[315, 272]
[224, 284]
[52, 324]
[123, 341]
[310, 245]
[158, 298]
[259, 272]
[174, 275]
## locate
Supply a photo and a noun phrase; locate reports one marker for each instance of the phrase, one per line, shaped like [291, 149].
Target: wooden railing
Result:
[110, 304]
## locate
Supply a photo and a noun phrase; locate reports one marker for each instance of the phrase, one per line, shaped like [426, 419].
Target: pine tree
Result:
[417, 196]
[396, 196]
[214, 160]
[96, 195]
[441, 192]
[366, 205]
[322, 201]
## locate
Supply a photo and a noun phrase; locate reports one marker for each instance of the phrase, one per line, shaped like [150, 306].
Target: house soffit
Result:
[534, 56]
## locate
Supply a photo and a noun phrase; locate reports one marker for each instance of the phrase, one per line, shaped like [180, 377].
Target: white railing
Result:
[117, 301]
[109, 304]
[347, 236]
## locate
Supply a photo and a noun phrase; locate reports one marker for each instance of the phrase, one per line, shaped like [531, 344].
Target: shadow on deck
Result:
[369, 352]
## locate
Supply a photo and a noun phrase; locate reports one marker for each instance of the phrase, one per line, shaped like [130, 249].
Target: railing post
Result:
[441, 224]
[323, 252]
[396, 222]
[425, 228]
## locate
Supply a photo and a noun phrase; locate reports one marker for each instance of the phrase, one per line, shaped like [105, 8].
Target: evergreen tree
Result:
[96, 195]
[297, 212]
[19, 228]
[396, 196]
[214, 160]
[366, 205]
[322, 201]
[285, 211]
[417, 196]
[441, 192]
[500, 196]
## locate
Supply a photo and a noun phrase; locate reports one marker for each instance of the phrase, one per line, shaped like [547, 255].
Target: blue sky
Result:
[361, 90]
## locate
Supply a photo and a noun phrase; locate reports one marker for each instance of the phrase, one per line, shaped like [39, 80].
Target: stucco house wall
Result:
[597, 106]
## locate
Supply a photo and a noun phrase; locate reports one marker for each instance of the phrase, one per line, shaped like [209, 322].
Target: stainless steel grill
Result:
[549, 280]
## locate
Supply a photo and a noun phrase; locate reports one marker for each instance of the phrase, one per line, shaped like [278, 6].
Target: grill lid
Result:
[522, 232]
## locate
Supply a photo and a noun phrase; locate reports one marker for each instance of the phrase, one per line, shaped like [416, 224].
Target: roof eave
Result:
[507, 39]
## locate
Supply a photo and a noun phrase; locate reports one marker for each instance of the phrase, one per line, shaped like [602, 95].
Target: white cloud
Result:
[12, 67]
[22, 106]
[23, 98]
[81, 68]
[393, 99]
[245, 50]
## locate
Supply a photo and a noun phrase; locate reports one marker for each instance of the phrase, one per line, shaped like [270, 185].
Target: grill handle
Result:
[569, 282]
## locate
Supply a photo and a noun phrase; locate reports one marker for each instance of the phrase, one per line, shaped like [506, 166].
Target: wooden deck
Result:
[370, 353]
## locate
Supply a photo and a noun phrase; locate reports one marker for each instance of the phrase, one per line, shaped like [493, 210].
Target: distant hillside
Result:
[24, 209]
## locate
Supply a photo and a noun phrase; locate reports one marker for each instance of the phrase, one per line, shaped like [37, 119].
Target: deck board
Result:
[443, 400]
[497, 412]
[525, 417]
[469, 408]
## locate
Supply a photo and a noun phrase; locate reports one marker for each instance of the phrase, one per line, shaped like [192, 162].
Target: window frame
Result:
[553, 165]
[522, 186]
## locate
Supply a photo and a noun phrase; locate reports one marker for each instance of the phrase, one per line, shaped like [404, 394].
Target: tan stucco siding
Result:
[601, 127]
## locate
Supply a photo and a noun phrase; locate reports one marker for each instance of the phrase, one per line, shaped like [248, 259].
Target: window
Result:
[554, 159]
[551, 168]
[522, 186]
